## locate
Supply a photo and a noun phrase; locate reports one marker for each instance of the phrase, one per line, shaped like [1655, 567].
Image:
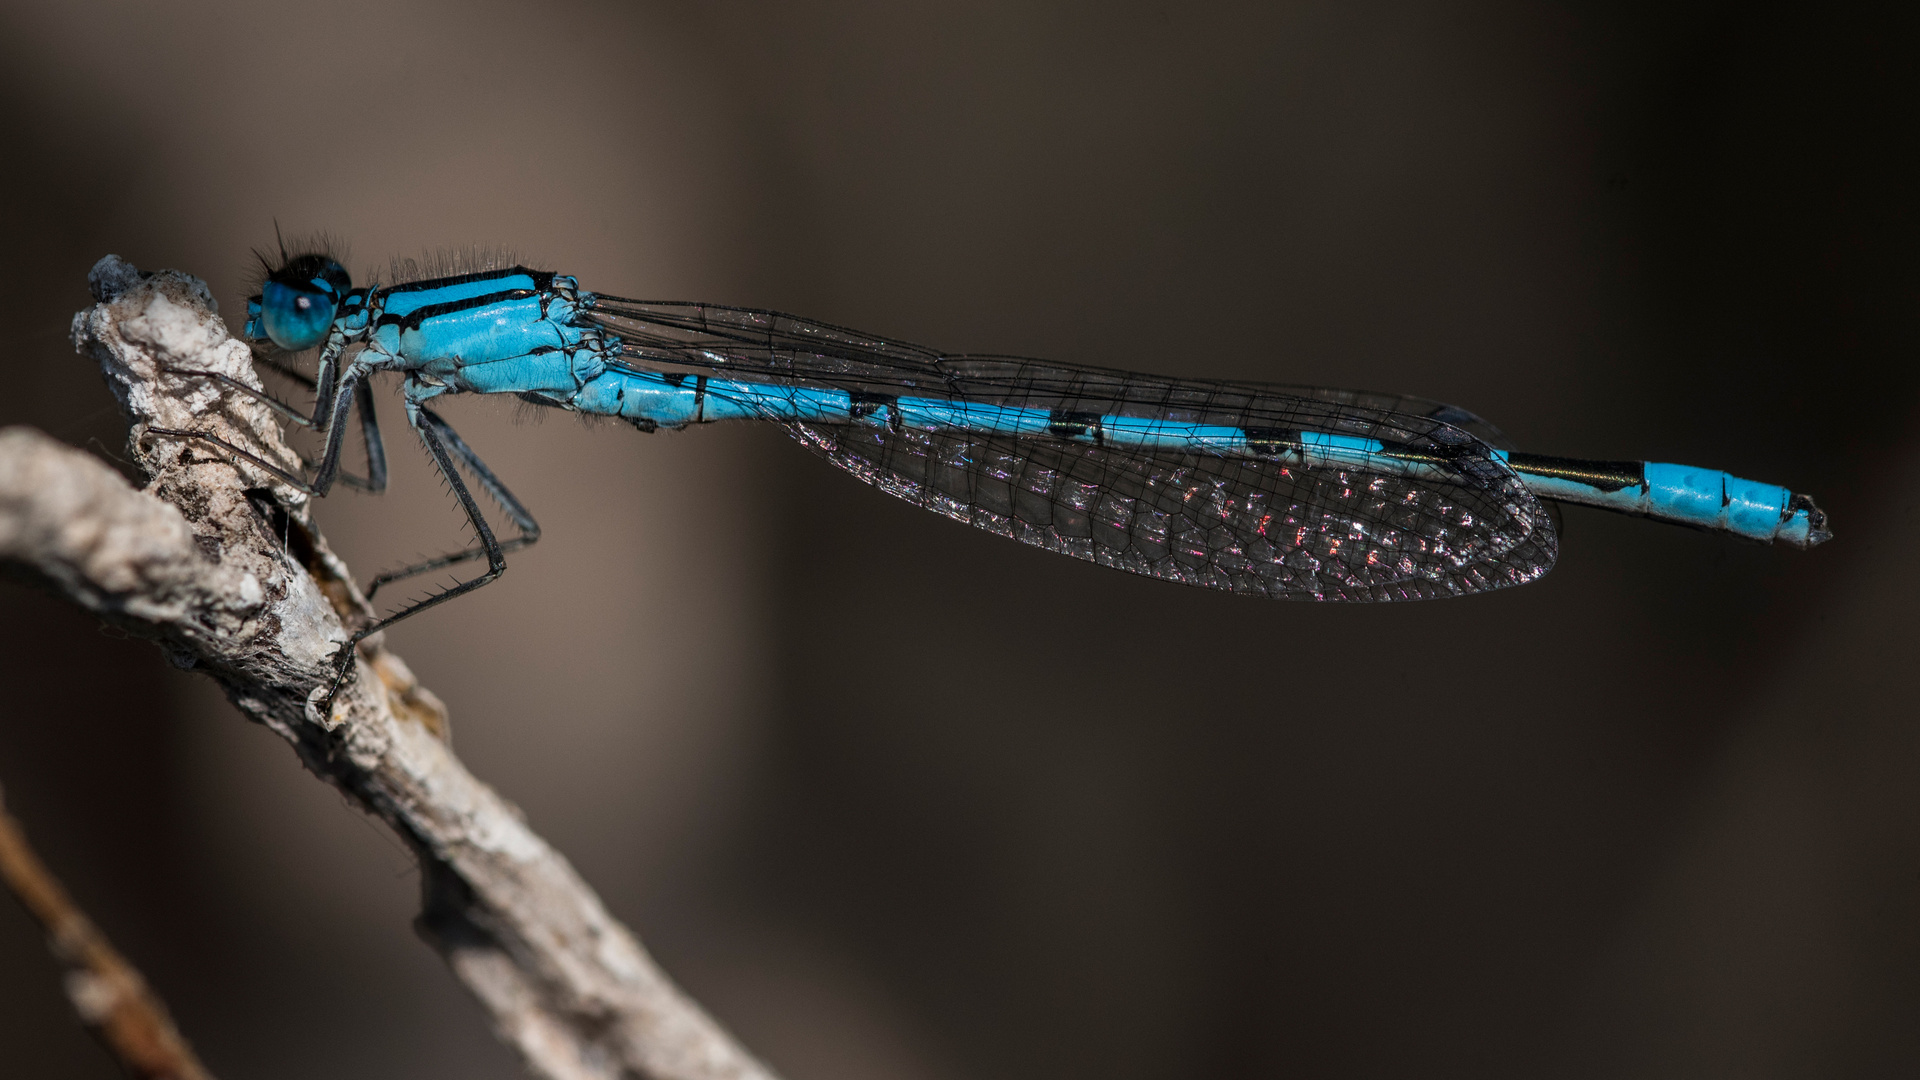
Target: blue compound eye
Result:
[298, 301]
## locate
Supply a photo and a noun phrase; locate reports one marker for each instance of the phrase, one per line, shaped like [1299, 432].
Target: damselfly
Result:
[1298, 493]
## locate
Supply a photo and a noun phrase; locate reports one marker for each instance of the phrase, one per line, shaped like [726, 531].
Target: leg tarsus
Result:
[327, 469]
[283, 475]
[370, 438]
[261, 396]
[348, 662]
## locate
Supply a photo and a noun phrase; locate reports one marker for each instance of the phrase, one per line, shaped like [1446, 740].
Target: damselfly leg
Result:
[446, 448]
[449, 453]
[374, 482]
[515, 510]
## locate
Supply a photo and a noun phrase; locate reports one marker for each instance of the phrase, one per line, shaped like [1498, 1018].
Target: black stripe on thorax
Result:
[412, 320]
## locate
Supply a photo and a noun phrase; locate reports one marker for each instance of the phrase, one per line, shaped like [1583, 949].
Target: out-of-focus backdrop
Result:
[901, 800]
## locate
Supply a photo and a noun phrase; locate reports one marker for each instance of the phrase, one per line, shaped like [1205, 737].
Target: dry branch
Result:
[221, 565]
[108, 993]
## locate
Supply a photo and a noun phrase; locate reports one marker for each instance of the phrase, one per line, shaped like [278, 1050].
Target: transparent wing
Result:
[1241, 525]
[1246, 523]
[1400, 403]
[754, 342]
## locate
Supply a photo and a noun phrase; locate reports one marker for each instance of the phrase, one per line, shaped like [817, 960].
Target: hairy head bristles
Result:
[441, 262]
[288, 248]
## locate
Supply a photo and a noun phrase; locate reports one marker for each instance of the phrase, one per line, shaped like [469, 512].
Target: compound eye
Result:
[297, 305]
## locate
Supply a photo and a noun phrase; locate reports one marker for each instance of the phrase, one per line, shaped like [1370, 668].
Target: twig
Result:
[219, 563]
[110, 996]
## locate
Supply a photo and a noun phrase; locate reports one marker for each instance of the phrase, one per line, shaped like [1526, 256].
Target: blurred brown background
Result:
[898, 799]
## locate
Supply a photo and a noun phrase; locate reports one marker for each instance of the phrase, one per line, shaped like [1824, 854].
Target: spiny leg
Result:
[295, 482]
[516, 511]
[376, 479]
[328, 408]
[435, 433]
[375, 482]
[285, 410]
[329, 362]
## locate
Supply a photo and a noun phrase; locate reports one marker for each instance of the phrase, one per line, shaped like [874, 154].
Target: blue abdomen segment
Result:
[655, 400]
[1682, 494]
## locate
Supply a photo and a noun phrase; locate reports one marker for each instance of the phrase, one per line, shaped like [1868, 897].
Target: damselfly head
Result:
[299, 300]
